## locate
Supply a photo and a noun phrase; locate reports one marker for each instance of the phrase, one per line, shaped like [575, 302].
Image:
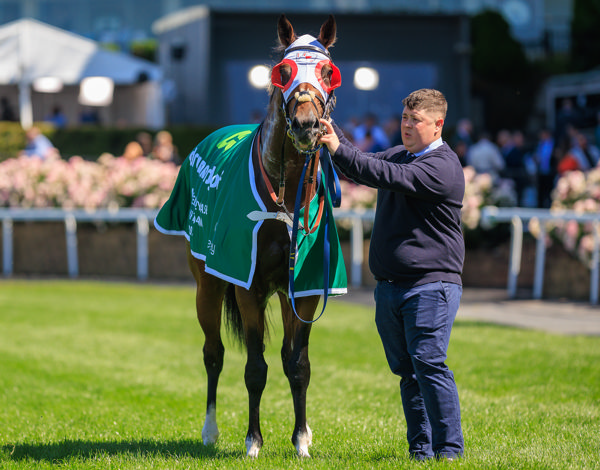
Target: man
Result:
[38, 145]
[416, 255]
[485, 157]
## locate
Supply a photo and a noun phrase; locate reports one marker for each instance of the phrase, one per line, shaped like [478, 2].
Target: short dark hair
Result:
[427, 99]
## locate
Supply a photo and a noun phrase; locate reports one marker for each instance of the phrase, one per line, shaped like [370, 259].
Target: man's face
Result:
[419, 129]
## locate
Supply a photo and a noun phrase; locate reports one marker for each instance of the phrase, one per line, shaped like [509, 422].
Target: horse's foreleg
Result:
[209, 298]
[255, 374]
[296, 365]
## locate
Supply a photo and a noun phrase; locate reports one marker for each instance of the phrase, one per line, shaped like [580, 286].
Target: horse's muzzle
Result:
[307, 132]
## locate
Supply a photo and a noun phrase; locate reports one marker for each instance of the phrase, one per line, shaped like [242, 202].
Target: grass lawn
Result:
[106, 376]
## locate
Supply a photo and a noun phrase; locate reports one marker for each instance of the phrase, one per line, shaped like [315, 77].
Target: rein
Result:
[331, 187]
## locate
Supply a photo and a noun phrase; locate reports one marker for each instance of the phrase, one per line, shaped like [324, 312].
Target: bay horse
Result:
[301, 93]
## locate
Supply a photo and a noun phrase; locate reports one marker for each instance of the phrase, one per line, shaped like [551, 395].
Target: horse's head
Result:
[307, 78]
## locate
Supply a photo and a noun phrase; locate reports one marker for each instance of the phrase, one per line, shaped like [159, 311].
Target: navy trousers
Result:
[414, 325]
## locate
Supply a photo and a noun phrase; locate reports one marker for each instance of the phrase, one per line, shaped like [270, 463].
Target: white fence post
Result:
[357, 239]
[71, 238]
[516, 248]
[7, 246]
[540, 261]
[142, 247]
[491, 215]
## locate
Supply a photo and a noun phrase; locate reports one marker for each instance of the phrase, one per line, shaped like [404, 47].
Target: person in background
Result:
[597, 130]
[464, 133]
[515, 168]
[164, 149]
[544, 157]
[145, 140]
[416, 254]
[57, 118]
[461, 150]
[133, 151]
[38, 145]
[587, 155]
[89, 116]
[370, 135]
[485, 157]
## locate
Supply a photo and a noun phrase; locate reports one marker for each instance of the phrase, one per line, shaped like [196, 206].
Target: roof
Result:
[41, 50]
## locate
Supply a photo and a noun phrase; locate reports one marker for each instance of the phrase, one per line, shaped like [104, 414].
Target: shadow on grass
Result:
[462, 323]
[66, 449]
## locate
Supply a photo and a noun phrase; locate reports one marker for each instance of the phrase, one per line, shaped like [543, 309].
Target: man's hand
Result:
[329, 139]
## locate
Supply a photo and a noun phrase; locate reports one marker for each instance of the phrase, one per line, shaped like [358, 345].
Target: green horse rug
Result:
[215, 205]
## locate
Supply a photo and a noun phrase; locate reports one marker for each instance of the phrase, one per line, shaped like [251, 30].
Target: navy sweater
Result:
[417, 235]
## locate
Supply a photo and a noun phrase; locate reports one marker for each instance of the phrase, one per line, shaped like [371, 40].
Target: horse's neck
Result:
[275, 146]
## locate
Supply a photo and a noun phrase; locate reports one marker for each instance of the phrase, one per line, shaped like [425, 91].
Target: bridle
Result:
[305, 52]
[330, 182]
[301, 97]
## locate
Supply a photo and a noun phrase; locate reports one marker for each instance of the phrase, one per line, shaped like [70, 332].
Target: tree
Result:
[585, 35]
[502, 76]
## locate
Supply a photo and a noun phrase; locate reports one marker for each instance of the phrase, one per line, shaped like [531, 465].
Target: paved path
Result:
[493, 305]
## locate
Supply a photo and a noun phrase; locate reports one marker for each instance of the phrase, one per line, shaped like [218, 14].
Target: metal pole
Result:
[7, 246]
[142, 247]
[594, 274]
[357, 239]
[540, 259]
[71, 236]
[516, 248]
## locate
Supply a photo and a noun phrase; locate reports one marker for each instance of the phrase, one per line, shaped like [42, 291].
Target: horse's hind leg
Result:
[209, 298]
[296, 365]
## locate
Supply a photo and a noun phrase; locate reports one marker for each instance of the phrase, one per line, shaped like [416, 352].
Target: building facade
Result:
[537, 24]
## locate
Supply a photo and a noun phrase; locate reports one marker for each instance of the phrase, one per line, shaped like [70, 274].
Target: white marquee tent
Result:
[31, 50]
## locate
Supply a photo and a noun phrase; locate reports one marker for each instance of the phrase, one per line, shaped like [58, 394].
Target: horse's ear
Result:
[285, 31]
[327, 35]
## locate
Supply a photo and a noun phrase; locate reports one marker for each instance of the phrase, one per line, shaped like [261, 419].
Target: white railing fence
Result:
[518, 216]
[143, 218]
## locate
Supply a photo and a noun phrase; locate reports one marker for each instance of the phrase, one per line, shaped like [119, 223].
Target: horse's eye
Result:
[286, 73]
[326, 72]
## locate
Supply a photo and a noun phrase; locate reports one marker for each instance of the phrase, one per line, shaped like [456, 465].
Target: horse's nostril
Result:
[305, 125]
[296, 125]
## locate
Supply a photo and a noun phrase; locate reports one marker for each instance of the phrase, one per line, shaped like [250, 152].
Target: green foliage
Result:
[91, 141]
[106, 375]
[585, 35]
[496, 55]
[12, 137]
[145, 49]
[501, 73]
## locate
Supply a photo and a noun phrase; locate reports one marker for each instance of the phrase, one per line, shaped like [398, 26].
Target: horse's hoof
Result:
[303, 442]
[210, 431]
[252, 447]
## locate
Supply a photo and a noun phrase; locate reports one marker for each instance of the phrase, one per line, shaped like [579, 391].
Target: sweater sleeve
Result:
[427, 177]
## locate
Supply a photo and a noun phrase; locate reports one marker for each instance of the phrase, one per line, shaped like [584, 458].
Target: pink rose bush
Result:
[481, 190]
[579, 192]
[113, 182]
[79, 184]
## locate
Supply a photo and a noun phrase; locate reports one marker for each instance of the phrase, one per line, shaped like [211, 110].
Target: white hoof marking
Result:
[252, 448]
[210, 431]
[304, 442]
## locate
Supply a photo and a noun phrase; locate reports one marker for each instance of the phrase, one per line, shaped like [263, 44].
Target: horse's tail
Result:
[233, 316]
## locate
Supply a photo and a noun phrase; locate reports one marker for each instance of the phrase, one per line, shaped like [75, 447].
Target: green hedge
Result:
[91, 141]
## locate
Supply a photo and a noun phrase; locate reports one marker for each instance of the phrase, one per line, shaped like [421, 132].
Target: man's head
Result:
[422, 118]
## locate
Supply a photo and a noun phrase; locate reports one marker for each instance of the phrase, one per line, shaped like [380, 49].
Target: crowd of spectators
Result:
[532, 163]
